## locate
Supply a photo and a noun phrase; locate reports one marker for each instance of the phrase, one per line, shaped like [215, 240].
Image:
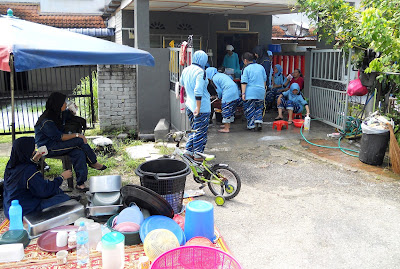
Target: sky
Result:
[297, 18]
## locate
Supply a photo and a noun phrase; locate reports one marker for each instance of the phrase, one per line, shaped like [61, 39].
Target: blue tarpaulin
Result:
[37, 46]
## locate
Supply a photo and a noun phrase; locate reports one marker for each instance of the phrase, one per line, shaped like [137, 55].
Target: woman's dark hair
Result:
[221, 69]
[301, 75]
[53, 108]
[248, 56]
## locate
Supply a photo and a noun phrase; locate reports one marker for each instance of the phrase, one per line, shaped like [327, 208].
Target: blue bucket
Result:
[199, 220]
[274, 47]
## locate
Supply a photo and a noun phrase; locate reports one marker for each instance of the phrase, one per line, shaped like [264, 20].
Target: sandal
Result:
[84, 189]
[101, 168]
[279, 118]
[289, 122]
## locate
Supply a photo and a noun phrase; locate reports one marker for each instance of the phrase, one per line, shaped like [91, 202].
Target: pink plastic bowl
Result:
[127, 227]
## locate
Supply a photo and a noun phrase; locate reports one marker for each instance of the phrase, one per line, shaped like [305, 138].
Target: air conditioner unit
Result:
[238, 25]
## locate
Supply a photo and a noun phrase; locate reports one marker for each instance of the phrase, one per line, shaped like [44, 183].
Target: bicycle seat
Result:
[206, 157]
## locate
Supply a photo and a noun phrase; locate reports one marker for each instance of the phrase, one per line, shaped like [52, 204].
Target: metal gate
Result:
[329, 77]
[32, 88]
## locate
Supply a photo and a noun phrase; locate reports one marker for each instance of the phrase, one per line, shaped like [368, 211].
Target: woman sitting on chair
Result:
[293, 101]
[49, 132]
[23, 182]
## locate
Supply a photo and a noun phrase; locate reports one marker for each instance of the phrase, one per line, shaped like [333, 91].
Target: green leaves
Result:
[374, 25]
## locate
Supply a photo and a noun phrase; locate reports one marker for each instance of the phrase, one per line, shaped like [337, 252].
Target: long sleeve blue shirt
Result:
[226, 88]
[232, 62]
[30, 189]
[194, 81]
[296, 98]
[47, 133]
[255, 77]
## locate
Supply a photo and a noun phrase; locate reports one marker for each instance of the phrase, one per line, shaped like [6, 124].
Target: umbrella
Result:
[26, 45]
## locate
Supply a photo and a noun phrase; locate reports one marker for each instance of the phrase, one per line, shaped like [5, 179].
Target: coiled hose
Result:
[343, 135]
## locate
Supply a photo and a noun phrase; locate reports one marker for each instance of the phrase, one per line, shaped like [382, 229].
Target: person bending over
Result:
[227, 91]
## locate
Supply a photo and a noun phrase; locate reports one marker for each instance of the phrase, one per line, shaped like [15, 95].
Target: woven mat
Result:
[35, 258]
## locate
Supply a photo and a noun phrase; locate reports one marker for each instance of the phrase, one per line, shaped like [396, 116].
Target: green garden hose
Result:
[329, 147]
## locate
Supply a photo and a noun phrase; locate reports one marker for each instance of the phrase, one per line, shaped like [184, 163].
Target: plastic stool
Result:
[297, 115]
[199, 220]
[279, 124]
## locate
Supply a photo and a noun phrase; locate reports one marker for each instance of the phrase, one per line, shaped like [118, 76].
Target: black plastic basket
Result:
[167, 177]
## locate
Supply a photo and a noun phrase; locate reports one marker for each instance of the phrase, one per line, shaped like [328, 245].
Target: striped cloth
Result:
[253, 111]
[197, 141]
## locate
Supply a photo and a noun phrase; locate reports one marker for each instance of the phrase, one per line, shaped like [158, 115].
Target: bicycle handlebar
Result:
[180, 134]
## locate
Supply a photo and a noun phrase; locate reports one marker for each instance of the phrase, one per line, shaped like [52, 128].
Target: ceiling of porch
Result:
[254, 7]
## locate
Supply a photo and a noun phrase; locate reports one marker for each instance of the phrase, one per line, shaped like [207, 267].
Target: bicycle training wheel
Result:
[230, 183]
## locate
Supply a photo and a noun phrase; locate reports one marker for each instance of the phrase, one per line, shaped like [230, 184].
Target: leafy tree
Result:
[374, 25]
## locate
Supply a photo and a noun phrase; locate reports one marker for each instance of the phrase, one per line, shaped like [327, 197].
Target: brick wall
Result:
[117, 96]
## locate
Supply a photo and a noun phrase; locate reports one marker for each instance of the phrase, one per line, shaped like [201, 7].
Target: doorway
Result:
[242, 42]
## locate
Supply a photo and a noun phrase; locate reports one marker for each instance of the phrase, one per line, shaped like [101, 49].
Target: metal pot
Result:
[112, 183]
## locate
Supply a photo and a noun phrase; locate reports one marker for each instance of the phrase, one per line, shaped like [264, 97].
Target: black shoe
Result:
[101, 168]
[259, 126]
[251, 130]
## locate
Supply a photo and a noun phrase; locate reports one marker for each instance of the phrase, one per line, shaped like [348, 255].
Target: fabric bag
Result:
[75, 124]
[356, 88]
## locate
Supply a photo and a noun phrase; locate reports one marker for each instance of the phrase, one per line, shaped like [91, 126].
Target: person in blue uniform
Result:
[293, 101]
[278, 81]
[23, 182]
[198, 104]
[263, 58]
[231, 60]
[227, 91]
[253, 83]
[49, 133]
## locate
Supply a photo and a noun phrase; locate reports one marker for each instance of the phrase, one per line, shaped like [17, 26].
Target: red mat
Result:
[35, 258]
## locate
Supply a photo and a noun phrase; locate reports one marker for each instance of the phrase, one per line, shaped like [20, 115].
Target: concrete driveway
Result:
[300, 210]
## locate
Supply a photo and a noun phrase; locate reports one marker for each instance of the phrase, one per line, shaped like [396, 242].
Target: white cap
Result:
[229, 47]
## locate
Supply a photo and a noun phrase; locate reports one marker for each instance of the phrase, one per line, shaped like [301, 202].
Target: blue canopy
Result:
[37, 46]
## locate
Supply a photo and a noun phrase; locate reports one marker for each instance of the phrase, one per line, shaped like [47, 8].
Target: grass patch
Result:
[165, 150]
[118, 163]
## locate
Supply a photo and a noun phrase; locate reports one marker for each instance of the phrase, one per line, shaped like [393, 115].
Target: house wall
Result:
[179, 23]
[117, 96]
[153, 91]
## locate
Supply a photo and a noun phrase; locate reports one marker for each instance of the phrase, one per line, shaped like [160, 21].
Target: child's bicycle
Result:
[222, 180]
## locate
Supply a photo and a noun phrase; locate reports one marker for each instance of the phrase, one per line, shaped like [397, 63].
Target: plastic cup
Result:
[62, 257]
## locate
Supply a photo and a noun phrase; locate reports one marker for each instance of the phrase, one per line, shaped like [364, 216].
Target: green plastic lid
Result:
[112, 238]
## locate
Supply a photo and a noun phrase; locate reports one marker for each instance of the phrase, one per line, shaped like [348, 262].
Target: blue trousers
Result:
[271, 96]
[228, 111]
[54, 200]
[80, 154]
[289, 105]
[253, 111]
[197, 141]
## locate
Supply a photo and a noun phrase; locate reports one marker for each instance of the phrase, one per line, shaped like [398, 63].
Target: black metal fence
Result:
[32, 88]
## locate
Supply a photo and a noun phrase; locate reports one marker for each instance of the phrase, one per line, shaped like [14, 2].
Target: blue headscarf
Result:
[210, 72]
[280, 70]
[293, 87]
[200, 58]
[21, 154]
